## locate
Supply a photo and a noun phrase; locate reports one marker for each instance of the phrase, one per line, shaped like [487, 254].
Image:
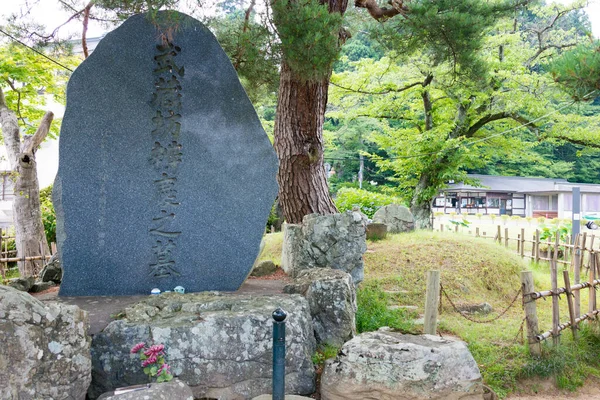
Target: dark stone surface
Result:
[52, 272]
[264, 268]
[106, 193]
[41, 286]
[22, 284]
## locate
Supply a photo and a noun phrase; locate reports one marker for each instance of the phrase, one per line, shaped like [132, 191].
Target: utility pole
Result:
[361, 170]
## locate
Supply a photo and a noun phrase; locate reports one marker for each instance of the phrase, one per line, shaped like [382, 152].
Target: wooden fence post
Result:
[569, 293]
[499, 235]
[576, 262]
[432, 300]
[592, 300]
[3, 266]
[53, 248]
[477, 232]
[506, 237]
[555, 304]
[536, 245]
[582, 250]
[522, 242]
[441, 227]
[531, 320]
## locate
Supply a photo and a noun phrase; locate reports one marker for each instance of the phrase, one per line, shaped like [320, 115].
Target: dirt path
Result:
[544, 390]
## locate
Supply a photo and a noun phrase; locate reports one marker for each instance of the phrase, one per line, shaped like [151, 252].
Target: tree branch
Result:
[548, 47]
[86, 18]
[10, 131]
[33, 141]
[382, 13]
[425, 83]
[427, 106]
[18, 92]
[498, 116]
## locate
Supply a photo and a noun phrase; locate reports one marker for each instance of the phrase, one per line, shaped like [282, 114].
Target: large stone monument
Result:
[166, 176]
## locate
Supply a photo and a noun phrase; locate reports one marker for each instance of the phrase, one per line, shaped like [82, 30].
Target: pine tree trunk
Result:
[302, 181]
[30, 236]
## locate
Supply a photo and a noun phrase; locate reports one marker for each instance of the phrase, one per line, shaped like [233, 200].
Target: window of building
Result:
[493, 202]
[540, 202]
[592, 202]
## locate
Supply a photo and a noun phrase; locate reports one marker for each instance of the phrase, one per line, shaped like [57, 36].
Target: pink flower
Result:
[151, 360]
[154, 350]
[166, 367]
[137, 347]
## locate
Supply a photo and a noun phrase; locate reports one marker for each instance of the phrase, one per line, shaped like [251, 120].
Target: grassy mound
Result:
[472, 270]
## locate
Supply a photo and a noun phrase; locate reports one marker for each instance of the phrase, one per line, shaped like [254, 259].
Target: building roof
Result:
[518, 184]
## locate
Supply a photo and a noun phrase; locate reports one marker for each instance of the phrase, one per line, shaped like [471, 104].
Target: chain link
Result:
[485, 321]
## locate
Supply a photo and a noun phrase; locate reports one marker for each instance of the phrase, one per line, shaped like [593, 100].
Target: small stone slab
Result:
[287, 397]
[173, 390]
[166, 177]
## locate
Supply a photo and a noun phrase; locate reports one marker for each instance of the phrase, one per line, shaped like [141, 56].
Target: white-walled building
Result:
[513, 195]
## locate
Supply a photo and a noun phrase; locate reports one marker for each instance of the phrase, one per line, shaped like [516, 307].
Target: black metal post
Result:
[279, 354]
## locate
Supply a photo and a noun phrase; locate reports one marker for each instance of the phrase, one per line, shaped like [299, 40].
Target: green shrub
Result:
[373, 310]
[324, 352]
[368, 202]
[48, 214]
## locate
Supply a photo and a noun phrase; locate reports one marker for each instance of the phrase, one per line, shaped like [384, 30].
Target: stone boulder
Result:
[44, 349]
[22, 284]
[332, 299]
[402, 367]
[397, 218]
[41, 286]
[52, 272]
[218, 344]
[264, 268]
[376, 231]
[335, 241]
[173, 390]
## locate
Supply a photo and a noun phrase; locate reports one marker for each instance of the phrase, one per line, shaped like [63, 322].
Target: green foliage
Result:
[126, 8]
[323, 353]
[48, 214]
[578, 71]
[449, 31]
[549, 232]
[373, 311]
[26, 78]
[252, 50]
[474, 122]
[309, 36]
[369, 202]
[464, 222]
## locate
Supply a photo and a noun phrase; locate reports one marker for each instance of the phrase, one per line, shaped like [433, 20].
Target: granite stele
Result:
[166, 176]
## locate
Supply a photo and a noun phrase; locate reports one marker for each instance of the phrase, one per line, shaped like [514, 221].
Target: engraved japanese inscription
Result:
[165, 157]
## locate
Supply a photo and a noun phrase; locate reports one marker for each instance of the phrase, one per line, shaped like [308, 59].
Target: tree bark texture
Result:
[27, 215]
[421, 209]
[300, 114]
